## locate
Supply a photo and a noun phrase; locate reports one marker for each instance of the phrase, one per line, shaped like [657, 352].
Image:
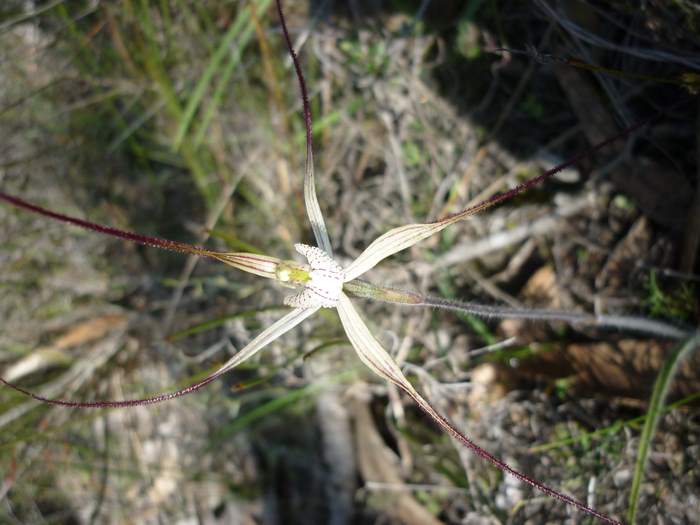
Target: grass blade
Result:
[656, 408]
[224, 78]
[241, 23]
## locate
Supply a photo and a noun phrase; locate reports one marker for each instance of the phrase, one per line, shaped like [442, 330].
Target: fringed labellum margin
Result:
[325, 282]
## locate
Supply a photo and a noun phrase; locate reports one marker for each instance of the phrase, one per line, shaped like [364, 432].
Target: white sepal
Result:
[313, 209]
[368, 349]
[404, 237]
[272, 332]
[388, 244]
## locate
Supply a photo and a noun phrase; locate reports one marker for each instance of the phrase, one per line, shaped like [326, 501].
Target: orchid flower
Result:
[321, 282]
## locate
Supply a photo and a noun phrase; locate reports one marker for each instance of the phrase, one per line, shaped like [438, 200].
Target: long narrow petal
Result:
[367, 290]
[248, 262]
[313, 209]
[146, 240]
[262, 265]
[274, 331]
[390, 243]
[406, 236]
[380, 362]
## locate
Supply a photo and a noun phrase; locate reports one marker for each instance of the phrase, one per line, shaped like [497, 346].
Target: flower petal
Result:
[396, 240]
[274, 331]
[380, 362]
[368, 349]
[313, 209]
[404, 237]
[262, 265]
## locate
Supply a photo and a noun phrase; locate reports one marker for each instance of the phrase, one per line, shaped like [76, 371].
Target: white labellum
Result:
[325, 280]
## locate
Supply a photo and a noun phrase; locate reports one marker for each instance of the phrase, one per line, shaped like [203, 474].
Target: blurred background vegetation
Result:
[181, 119]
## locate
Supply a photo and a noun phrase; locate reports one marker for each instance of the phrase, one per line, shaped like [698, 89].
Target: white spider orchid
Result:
[320, 284]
